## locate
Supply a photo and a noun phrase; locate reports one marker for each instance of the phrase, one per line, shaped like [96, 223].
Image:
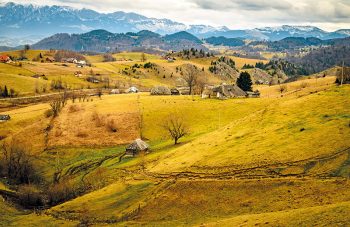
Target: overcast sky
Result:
[235, 14]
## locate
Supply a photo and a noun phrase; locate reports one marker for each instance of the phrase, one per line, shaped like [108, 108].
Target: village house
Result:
[224, 91]
[4, 58]
[174, 91]
[132, 89]
[81, 64]
[70, 60]
[136, 147]
[115, 91]
[4, 118]
[184, 90]
[170, 59]
[253, 94]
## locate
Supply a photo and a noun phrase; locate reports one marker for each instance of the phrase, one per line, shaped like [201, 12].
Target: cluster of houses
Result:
[79, 63]
[226, 91]
[223, 91]
[131, 89]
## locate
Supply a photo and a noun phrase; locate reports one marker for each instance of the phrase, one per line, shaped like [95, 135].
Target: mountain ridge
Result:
[104, 41]
[18, 20]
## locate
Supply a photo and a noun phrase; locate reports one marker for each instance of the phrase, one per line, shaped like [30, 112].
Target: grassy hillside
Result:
[120, 72]
[319, 216]
[244, 161]
[281, 132]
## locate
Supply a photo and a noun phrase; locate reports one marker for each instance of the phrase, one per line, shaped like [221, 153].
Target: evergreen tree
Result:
[5, 93]
[244, 81]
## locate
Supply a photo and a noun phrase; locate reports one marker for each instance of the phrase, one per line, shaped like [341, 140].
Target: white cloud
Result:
[236, 14]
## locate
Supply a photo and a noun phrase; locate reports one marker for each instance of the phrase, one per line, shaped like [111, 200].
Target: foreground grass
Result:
[328, 215]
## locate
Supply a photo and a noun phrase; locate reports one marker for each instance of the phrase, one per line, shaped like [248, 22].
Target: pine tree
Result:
[244, 81]
[5, 93]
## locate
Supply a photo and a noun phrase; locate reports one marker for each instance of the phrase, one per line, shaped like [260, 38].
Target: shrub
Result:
[17, 162]
[49, 113]
[29, 196]
[98, 119]
[304, 84]
[56, 106]
[111, 125]
[62, 191]
[73, 108]
[82, 134]
[283, 88]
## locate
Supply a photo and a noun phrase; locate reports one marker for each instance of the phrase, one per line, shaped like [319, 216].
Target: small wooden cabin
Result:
[136, 147]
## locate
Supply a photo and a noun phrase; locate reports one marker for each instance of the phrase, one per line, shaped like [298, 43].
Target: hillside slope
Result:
[285, 131]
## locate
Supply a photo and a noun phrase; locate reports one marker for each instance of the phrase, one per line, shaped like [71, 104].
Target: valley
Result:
[112, 115]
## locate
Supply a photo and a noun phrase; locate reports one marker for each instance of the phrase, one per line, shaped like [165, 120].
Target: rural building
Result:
[132, 89]
[4, 118]
[81, 64]
[184, 90]
[135, 147]
[170, 59]
[4, 58]
[174, 91]
[224, 92]
[70, 60]
[253, 94]
[115, 91]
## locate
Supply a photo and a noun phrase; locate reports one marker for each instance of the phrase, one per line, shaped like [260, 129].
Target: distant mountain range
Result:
[24, 21]
[105, 41]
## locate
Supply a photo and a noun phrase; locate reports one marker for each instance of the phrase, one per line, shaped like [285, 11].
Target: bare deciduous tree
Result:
[17, 162]
[143, 57]
[56, 106]
[99, 92]
[64, 98]
[201, 83]
[175, 125]
[190, 75]
[282, 88]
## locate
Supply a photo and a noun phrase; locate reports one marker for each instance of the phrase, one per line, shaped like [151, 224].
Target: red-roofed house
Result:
[4, 58]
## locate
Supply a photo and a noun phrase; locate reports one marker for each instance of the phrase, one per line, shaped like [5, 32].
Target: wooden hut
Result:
[136, 147]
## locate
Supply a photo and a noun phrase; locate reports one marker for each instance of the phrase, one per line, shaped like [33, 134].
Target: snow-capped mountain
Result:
[18, 21]
[281, 32]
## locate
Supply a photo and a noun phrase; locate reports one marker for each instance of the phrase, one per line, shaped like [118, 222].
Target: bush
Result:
[62, 191]
[98, 119]
[111, 125]
[73, 108]
[29, 196]
[283, 88]
[18, 163]
[82, 134]
[49, 113]
[304, 84]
